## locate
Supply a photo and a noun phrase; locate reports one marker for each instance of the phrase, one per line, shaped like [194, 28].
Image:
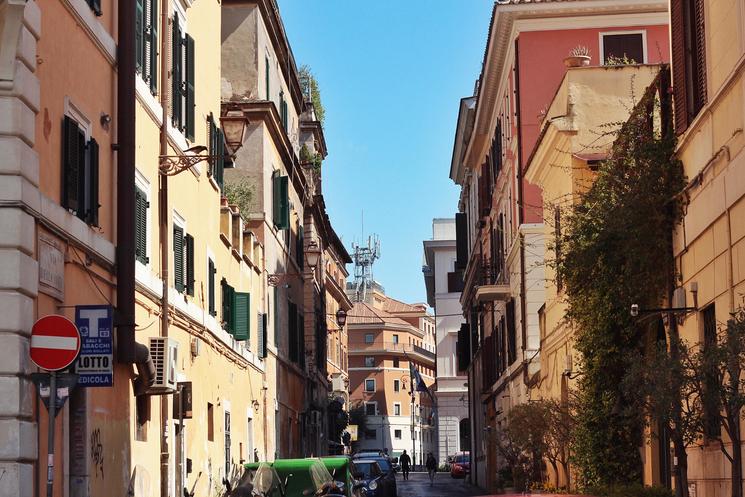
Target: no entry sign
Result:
[55, 343]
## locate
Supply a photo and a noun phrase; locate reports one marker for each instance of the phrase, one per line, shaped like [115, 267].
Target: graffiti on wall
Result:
[96, 445]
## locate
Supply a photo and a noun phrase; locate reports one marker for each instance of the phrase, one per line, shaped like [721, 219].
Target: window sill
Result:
[225, 241]
[236, 255]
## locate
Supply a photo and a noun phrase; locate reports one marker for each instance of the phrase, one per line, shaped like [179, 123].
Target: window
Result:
[227, 443]
[281, 201]
[262, 332]
[397, 409]
[283, 111]
[397, 434]
[369, 362]
[141, 206]
[297, 335]
[371, 409]
[688, 30]
[182, 51]
[183, 260]
[95, 6]
[211, 270]
[266, 76]
[712, 426]
[369, 338]
[396, 385]
[210, 422]
[371, 434]
[241, 315]
[300, 246]
[624, 46]
[511, 333]
[369, 385]
[250, 441]
[395, 362]
[146, 41]
[218, 162]
[395, 339]
[80, 172]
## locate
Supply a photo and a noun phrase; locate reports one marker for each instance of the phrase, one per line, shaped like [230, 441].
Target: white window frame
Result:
[143, 184]
[395, 339]
[603, 34]
[375, 386]
[375, 406]
[397, 407]
[73, 111]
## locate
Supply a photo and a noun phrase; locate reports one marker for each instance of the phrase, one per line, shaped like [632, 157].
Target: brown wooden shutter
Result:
[700, 47]
[677, 28]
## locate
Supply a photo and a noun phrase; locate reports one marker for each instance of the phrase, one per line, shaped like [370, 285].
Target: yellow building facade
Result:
[570, 144]
[211, 350]
[710, 243]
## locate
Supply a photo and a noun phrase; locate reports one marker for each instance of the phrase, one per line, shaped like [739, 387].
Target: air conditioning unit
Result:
[164, 353]
[679, 298]
[337, 384]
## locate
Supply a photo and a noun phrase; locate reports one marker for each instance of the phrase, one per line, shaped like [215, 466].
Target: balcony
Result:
[492, 283]
[377, 348]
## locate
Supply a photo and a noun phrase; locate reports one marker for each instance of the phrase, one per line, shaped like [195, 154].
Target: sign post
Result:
[55, 344]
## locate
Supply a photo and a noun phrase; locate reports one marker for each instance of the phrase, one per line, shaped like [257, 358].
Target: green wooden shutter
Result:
[281, 202]
[73, 167]
[220, 159]
[262, 334]
[92, 187]
[178, 258]
[190, 104]
[189, 242]
[242, 315]
[212, 144]
[176, 79]
[275, 318]
[266, 75]
[139, 35]
[141, 206]
[228, 316]
[292, 328]
[211, 287]
[153, 52]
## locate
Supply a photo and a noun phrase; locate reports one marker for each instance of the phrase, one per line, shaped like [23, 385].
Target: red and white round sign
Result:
[55, 342]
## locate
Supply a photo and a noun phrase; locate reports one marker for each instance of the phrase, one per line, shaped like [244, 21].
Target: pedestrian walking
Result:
[405, 461]
[431, 468]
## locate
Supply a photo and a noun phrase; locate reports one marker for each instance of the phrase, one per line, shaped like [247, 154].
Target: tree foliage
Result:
[310, 88]
[240, 192]
[615, 252]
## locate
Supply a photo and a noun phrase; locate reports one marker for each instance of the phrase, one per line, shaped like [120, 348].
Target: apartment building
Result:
[500, 231]
[444, 285]
[708, 53]
[386, 339]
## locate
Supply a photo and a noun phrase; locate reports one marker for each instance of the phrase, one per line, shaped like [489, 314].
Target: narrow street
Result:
[444, 486]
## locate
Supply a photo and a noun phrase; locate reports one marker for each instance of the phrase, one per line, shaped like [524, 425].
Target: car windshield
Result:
[384, 464]
[366, 469]
[462, 459]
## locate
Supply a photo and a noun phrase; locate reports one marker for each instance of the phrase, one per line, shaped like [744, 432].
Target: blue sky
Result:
[391, 75]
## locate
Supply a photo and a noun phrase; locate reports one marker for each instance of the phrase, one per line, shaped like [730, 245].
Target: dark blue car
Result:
[377, 483]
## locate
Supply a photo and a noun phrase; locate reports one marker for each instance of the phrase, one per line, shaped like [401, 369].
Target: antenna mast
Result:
[364, 257]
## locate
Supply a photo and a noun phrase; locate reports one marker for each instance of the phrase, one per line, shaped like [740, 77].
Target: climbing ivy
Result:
[615, 251]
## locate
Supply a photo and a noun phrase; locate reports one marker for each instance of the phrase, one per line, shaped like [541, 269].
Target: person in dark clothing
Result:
[405, 462]
[431, 468]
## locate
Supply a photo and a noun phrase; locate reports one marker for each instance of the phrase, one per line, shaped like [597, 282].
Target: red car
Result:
[461, 466]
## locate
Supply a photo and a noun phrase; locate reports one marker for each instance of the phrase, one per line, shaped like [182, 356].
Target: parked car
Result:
[377, 483]
[386, 463]
[460, 466]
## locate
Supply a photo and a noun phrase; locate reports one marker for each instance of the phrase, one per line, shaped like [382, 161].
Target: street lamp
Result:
[312, 256]
[234, 124]
[341, 318]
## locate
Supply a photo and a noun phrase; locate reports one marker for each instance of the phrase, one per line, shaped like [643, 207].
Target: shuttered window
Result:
[511, 333]
[292, 328]
[283, 111]
[688, 37]
[463, 347]
[301, 340]
[228, 317]
[139, 35]
[80, 171]
[281, 202]
[262, 334]
[218, 153]
[178, 258]
[266, 77]
[299, 241]
[189, 87]
[141, 206]
[189, 252]
[150, 45]
[461, 240]
[177, 93]
[211, 270]
[496, 151]
[241, 315]
[275, 318]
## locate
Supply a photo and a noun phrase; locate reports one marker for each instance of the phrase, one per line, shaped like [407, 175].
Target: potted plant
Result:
[579, 56]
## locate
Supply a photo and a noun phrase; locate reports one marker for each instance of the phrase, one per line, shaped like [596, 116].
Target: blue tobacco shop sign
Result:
[95, 362]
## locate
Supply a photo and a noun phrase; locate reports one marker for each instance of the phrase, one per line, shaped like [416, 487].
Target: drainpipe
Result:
[163, 229]
[520, 201]
[125, 176]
